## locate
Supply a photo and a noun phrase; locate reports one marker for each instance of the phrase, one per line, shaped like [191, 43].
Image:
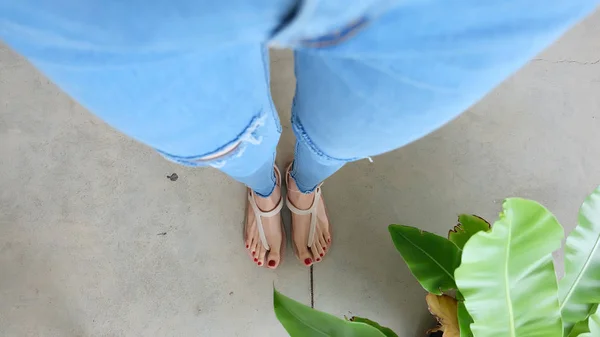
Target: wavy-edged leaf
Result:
[431, 258]
[386, 331]
[464, 320]
[507, 274]
[593, 324]
[300, 320]
[467, 226]
[579, 289]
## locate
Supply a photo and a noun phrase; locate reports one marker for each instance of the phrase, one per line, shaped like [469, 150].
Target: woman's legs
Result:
[146, 71]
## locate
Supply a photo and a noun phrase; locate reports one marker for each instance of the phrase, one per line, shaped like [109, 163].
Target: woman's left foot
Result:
[311, 231]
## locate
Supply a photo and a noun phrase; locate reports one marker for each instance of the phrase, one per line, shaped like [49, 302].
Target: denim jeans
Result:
[190, 78]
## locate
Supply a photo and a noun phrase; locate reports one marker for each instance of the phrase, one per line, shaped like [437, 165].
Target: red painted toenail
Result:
[253, 253]
[307, 261]
[260, 263]
[247, 246]
[321, 254]
[324, 249]
[272, 263]
[255, 260]
[318, 259]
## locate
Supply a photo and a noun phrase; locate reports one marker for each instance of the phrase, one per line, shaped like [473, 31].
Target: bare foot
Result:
[308, 250]
[265, 251]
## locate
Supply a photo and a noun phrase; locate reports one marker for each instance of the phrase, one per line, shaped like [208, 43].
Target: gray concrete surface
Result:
[82, 207]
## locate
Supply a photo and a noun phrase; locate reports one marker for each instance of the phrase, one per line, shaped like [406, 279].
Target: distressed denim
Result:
[190, 78]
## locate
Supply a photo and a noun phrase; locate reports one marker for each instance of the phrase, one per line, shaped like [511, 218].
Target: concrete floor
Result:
[82, 207]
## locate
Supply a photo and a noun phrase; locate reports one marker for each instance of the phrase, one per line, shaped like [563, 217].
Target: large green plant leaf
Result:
[593, 324]
[579, 289]
[386, 331]
[507, 275]
[431, 258]
[467, 226]
[464, 320]
[301, 321]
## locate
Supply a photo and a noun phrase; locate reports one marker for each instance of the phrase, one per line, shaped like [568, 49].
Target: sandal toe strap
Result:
[312, 211]
[260, 214]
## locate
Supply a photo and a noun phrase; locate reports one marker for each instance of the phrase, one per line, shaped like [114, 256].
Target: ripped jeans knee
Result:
[248, 158]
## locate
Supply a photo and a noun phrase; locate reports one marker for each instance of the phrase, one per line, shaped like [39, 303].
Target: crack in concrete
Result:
[569, 61]
[312, 288]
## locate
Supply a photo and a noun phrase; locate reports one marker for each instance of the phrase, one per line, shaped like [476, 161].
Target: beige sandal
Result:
[319, 239]
[257, 246]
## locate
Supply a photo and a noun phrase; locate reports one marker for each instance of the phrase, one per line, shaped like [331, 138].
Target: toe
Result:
[250, 244]
[256, 244]
[273, 259]
[261, 256]
[256, 254]
[320, 249]
[324, 232]
[327, 236]
[323, 243]
[317, 255]
[305, 256]
[254, 249]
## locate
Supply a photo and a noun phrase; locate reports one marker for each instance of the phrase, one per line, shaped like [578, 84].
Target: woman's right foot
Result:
[265, 251]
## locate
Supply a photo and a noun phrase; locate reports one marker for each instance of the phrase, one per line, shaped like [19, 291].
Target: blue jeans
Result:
[190, 78]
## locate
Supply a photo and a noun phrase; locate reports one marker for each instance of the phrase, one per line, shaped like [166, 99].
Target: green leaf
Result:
[386, 331]
[464, 321]
[431, 258]
[301, 321]
[593, 324]
[467, 226]
[579, 328]
[579, 289]
[507, 275]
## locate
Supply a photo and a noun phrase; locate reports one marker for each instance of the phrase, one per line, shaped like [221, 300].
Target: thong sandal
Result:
[259, 215]
[319, 241]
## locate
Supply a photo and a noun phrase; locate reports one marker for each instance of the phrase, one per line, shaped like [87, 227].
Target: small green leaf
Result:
[431, 258]
[579, 328]
[386, 331]
[579, 289]
[466, 227]
[464, 320]
[593, 324]
[507, 275]
[300, 320]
